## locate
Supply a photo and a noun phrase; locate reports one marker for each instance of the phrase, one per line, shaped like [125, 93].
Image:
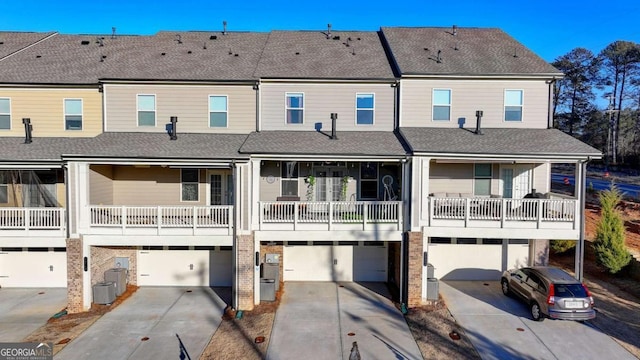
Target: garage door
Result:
[335, 263]
[476, 261]
[33, 269]
[185, 267]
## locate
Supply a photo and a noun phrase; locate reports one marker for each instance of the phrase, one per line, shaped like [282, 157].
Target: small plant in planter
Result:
[343, 189]
[311, 182]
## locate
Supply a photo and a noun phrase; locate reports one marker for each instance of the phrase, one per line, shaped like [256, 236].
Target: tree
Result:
[609, 245]
[620, 64]
[573, 94]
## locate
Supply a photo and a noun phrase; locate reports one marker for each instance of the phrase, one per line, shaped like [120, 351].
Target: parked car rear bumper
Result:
[572, 315]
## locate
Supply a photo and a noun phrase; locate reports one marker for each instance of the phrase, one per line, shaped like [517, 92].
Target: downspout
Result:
[65, 168]
[579, 267]
[234, 232]
[396, 110]
[550, 110]
[256, 87]
[404, 270]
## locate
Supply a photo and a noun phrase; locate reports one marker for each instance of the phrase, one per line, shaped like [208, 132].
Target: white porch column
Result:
[255, 193]
[580, 192]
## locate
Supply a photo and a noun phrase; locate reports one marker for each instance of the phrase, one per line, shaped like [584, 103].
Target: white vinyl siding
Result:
[146, 110]
[365, 109]
[513, 102]
[218, 111]
[468, 96]
[73, 114]
[441, 105]
[190, 179]
[294, 108]
[5, 114]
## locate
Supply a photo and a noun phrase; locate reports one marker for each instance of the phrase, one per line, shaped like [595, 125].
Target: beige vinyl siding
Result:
[269, 191]
[320, 100]
[101, 185]
[451, 178]
[45, 108]
[138, 186]
[190, 103]
[467, 96]
[541, 178]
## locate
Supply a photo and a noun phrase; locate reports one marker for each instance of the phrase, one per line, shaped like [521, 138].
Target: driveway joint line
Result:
[339, 318]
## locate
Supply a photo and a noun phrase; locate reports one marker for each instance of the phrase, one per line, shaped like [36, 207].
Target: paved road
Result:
[500, 327]
[314, 321]
[22, 311]
[156, 313]
[600, 184]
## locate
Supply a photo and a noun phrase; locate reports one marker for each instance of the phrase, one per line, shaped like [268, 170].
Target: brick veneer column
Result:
[414, 286]
[245, 266]
[75, 268]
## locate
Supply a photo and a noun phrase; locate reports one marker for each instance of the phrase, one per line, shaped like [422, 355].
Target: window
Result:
[440, 240]
[4, 187]
[73, 114]
[190, 179]
[5, 114]
[218, 111]
[513, 105]
[364, 109]
[289, 178]
[294, 108]
[368, 180]
[491, 241]
[441, 105]
[146, 110]
[482, 179]
[467, 241]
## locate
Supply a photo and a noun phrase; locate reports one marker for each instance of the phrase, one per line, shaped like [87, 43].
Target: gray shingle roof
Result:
[496, 141]
[12, 41]
[349, 143]
[83, 59]
[126, 145]
[480, 51]
[311, 55]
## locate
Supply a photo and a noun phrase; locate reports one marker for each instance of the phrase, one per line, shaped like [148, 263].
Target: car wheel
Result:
[536, 313]
[505, 287]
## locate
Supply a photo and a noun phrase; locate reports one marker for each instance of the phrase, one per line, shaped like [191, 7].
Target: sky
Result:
[549, 28]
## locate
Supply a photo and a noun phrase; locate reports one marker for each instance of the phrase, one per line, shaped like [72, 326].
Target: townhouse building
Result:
[197, 158]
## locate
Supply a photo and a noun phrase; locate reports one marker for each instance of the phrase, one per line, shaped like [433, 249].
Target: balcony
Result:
[555, 217]
[161, 220]
[330, 215]
[32, 222]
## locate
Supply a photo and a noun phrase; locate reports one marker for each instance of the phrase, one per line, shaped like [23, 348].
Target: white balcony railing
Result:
[28, 219]
[543, 212]
[161, 217]
[332, 214]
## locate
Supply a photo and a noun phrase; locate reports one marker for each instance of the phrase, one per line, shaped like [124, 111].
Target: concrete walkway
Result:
[22, 311]
[315, 320]
[156, 313]
[500, 327]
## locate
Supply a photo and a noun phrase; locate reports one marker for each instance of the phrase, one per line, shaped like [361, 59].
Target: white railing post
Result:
[577, 213]
[503, 212]
[27, 219]
[365, 214]
[330, 214]
[158, 218]
[467, 209]
[431, 207]
[399, 214]
[539, 212]
[123, 218]
[296, 208]
[194, 218]
[231, 219]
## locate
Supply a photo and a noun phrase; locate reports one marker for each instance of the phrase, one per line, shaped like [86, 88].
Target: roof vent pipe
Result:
[328, 31]
[28, 128]
[224, 27]
[334, 117]
[479, 114]
[455, 30]
[173, 133]
[113, 32]
[438, 58]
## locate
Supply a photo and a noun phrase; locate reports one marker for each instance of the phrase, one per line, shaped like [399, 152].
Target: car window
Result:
[569, 290]
[519, 274]
[534, 281]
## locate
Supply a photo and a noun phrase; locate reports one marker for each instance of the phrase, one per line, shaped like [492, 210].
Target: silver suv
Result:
[549, 292]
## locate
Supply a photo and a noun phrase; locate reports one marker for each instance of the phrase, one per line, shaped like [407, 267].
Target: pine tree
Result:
[609, 246]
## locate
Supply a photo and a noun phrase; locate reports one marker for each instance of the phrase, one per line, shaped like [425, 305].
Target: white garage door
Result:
[184, 268]
[475, 261]
[335, 263]
[33, 269]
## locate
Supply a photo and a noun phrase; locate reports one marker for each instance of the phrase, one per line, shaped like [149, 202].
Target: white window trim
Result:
[490, 177]
[10, 117]
[64, 114]
[155, 110]
[373, 110]
[210, 111]
[286, 108]
[183, 182]
[504, 108]
[433, 104]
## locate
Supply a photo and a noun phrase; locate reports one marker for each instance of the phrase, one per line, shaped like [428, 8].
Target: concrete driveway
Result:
[156, 313]
[314, 321]
[500, 327]
[23, 311]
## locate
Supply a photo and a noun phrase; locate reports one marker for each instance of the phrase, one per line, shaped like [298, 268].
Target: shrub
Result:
[560, 246]
[609, 246]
